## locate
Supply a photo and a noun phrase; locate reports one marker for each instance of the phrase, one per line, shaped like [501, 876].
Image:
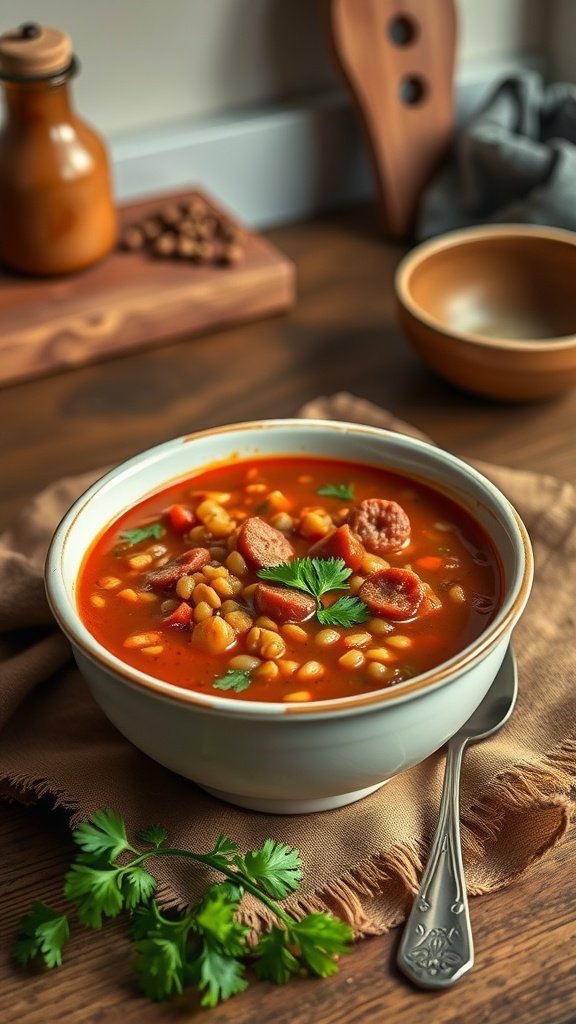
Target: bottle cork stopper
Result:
[32, 51]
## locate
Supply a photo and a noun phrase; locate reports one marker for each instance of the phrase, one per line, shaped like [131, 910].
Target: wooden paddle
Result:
[397, 57]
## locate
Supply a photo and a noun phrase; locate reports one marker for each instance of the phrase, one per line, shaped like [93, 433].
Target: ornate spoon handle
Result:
[436, 947]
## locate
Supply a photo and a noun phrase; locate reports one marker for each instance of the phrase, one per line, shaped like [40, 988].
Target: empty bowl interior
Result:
[515, 287]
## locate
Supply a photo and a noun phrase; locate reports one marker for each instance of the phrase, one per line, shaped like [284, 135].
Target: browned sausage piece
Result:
[394, 593]
[166, 576]
[282, 604]
[263, 545]
[341, 543]
[381, 525]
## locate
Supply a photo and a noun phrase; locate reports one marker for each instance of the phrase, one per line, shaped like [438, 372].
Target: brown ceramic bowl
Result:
[493, 309]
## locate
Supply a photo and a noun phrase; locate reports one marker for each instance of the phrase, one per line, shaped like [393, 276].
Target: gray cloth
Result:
[515, 161]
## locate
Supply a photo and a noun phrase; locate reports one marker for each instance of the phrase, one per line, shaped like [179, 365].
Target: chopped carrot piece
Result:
[430, 562]
[181, 518]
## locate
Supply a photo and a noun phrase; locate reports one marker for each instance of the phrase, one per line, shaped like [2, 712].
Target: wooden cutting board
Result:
[131, 299]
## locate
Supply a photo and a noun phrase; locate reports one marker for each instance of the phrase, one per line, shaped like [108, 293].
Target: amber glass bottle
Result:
[57, 213]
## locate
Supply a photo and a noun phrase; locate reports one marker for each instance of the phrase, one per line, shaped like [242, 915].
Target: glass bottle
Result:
[57, 213]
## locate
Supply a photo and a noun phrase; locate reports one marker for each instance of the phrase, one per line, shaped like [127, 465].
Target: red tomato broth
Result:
[467, 582]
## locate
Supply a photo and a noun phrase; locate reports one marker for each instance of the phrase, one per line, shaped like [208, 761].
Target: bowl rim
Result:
[477, 233]
[62, 605]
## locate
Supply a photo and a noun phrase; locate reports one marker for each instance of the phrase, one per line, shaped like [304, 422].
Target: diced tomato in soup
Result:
[185, 588]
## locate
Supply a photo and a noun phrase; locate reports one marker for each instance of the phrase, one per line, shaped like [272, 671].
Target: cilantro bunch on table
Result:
[205, 946]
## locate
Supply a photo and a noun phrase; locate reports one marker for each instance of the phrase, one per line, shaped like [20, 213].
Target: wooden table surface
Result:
[341, 335]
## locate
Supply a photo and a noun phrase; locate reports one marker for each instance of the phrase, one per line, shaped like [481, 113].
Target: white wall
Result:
[562, 41]
[146, 63]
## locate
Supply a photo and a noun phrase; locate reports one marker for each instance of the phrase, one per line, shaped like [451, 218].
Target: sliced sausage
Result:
[394, 593]
[341, 543]
[166, 576]
[283, 604]
[263, 545]
[430, 602]
[381, 525]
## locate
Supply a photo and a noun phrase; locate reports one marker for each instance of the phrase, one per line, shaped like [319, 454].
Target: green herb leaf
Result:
[158, 967]
[275, 960]
[216, 920]
[219, 976]
[42, 932]
[95, 892]
[318, 576]
[129, 538]
[138, 885]
[346, 611]
[275, 866]
[344, 492]
[225, 845]
[234, 679]
[104, 835]
[156, 835]
[319, 938]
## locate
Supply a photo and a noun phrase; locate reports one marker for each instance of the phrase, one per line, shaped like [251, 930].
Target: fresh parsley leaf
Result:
[129, 538]
[224, 845]
[147, 920]
[42, 932]
[319, 938]
[346, 611]
[103, 835]
[344, 492]
[275, 866]
[158, 967]
[216, 920]
[319, 576]
[95, 892]
[275, 960]
[316, 576]
[156, 835]
[138, 885]
[219, 976]
[235, 679]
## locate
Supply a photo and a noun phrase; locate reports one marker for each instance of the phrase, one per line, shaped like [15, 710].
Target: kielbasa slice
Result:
[381, 525]
[166, 576]
[341, 543]
[394, 593]
[263, 545]
[282, 604]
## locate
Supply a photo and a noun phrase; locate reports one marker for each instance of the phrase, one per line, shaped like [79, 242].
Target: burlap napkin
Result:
[362, 861]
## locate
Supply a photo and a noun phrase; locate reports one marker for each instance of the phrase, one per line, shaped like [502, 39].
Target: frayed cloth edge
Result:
[374, 895]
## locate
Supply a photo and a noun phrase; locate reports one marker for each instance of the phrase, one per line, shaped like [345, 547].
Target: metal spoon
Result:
[436, 948]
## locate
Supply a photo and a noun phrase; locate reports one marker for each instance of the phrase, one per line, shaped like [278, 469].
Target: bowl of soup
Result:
[290, 612]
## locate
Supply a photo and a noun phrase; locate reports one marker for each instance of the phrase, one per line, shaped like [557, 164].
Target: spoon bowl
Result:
[436, 948]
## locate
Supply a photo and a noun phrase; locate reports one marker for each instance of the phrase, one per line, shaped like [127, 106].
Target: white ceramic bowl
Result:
[291, 758]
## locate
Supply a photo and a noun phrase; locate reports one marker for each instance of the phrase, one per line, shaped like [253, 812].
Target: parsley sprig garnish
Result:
[205, 945]
[237, 679]
[129, 538]
[319, 576]
[344, 492]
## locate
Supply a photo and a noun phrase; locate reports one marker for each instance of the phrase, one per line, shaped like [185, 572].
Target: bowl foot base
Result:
[272, 805]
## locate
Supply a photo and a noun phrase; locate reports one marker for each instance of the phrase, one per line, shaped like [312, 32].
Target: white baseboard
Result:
[277, 165]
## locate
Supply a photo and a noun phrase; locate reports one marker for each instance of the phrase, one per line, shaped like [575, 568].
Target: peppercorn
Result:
[188, 230]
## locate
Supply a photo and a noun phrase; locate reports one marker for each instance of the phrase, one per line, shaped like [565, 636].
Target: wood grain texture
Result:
[398, 61]
[131, 299]
[341, 335]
